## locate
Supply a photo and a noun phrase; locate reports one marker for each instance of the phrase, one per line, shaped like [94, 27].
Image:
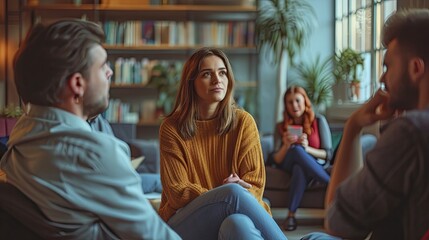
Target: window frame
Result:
[354, 20]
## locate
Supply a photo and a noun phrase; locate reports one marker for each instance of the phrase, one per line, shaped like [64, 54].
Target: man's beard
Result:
[407, 96]
[93, 109]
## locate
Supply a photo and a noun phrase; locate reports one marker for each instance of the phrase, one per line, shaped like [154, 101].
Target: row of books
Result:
[123, 112]
[139, 72]
[174, 2]
[182, 33]
[120, 112]
[130, 71]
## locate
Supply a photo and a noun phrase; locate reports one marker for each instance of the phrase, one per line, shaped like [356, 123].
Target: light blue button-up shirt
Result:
[79, 178]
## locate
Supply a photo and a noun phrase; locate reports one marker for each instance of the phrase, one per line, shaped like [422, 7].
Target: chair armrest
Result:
[267, 145]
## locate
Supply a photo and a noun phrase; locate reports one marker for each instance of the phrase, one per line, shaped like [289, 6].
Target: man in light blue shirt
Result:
[151, 182]
[76, 177]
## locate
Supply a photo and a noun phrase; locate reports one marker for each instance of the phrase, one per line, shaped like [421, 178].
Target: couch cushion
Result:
[277, 178]
[267, 145]
[280, 180]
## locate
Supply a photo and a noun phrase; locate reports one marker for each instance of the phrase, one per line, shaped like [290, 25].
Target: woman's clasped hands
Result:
[234, 178]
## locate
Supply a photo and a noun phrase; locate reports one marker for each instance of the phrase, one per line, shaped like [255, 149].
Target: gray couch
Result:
[278, 181]
[139, 147]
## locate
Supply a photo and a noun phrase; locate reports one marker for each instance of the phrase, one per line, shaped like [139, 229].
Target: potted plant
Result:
[8, 117]
[316, 78]
[346, 64]
[282, 27]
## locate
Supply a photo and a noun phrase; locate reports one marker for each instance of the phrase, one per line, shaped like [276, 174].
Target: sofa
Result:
[139, 147]
[278, 183]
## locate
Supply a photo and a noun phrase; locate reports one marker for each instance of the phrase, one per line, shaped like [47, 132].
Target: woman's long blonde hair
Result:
[308, 113]
[185, 110]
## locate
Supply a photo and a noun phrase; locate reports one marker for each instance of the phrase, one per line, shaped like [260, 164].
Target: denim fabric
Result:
[238, 227]
[303, 168]
[3, 147]
[151, 182]
[206, 215]
[319, 236]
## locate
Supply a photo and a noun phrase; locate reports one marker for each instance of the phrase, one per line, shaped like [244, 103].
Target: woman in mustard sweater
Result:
[212, 169]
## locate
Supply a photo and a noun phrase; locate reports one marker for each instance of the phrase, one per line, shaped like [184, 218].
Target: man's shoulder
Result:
[419, 118]
[412, 123]
[64, 134]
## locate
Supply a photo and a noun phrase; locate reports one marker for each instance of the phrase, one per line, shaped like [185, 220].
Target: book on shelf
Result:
[180, 33]
[131, 71]
[120, 112]
[172, 2]
[212, 2]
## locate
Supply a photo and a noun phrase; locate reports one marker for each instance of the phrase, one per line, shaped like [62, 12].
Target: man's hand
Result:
[375, 109]
[234, 178]
[348, 160]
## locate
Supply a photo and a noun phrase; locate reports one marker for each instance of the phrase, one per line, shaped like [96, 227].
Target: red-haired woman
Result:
[303, 143]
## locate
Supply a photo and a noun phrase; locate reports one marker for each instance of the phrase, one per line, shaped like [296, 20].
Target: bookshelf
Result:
[144, 37]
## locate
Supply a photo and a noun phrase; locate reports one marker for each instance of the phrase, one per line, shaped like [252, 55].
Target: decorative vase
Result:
[6, 125]
[341, 92]
[355, 91]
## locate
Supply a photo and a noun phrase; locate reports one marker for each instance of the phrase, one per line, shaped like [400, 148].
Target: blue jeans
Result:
[151, 182]
[319, 236]
[225, 212]
[303, 167]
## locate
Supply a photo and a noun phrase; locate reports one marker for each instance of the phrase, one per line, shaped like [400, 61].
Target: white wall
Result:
[321, 42]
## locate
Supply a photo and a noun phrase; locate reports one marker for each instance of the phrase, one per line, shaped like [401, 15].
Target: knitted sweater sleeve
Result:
[174, 172]
[249, 162]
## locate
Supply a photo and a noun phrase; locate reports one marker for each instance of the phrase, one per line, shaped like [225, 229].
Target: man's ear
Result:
[416, 69]
[77, 84]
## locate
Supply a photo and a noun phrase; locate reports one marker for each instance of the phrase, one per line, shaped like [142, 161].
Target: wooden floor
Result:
[309, 220]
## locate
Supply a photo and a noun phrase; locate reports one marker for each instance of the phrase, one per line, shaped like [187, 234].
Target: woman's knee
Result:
[235, 195]
[296, 150]
[238, 226]
[237, 220]
[294, 155]
[232, 189]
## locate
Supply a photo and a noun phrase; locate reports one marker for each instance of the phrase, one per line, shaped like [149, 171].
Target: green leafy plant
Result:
[11, 111]
[316, 78]
[282, 27]
[346, 63]
[165, 77]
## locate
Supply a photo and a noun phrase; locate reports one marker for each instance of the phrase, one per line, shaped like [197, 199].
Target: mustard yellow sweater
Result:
[192, 167]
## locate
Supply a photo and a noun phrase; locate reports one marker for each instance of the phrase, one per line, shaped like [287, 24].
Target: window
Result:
[358, 25]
